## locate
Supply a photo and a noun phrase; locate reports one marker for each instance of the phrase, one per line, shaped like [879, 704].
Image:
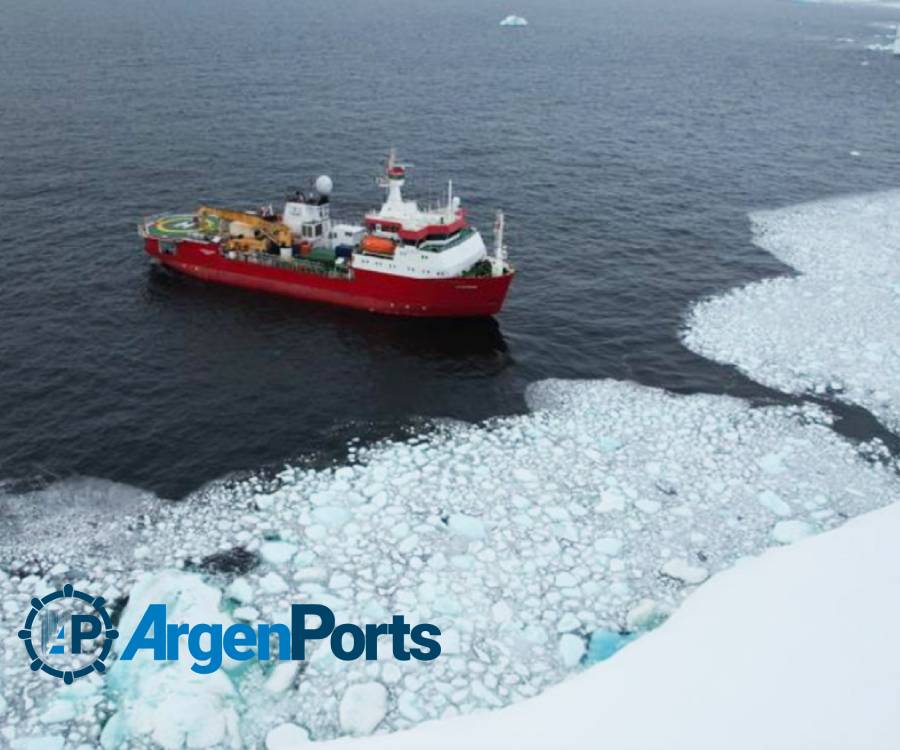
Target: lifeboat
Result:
[378, 245]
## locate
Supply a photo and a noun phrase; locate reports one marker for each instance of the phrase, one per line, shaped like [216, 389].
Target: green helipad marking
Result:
[181, 226]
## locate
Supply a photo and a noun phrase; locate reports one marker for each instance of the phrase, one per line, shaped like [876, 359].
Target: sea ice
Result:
[247, 614]
[286, 737]
[605, 643]
[272, 583]
[645, 615]
[774, 503]
[787, 532]
[363, 707]
[467, 526]
[611, 500]
[832, 329]
[568, 622]
[608, 546]
[58, 711]
[282, 676]
[691, 683]
[454, 538]
[240, 590]
[684, 571]
[43, 742]
[501, 612]
[277, 553]
[331, 517]
[165, 701]
[571, 649]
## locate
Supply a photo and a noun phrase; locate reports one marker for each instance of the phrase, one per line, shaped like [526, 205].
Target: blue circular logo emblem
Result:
[68, 634]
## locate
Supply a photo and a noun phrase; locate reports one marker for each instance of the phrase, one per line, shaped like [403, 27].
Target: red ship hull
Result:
[364, 290]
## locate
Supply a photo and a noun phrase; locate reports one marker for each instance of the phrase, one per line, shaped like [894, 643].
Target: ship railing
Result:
[295, 264]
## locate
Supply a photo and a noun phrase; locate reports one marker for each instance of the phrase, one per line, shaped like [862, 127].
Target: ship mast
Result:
[499, 260]
[394, 178]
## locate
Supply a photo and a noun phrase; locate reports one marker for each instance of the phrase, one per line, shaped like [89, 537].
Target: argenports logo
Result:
[69, 634]
[74, 633]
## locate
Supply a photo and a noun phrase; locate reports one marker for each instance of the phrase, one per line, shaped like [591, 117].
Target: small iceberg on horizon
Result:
[514, 21]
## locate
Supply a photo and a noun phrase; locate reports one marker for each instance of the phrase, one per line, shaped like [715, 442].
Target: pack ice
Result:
[537, 543]
[834, 328]
[770, 654]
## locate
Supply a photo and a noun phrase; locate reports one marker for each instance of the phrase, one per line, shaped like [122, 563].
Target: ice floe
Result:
[363, 707]
[786, 532]
[887, 38]
[834, 329]
[286, 737]
[794, 649]
[165, 702]
[537, 543]
[682, 570]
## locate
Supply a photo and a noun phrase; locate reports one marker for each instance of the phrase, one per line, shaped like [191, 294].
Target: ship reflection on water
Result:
[464, 347]
[461, 346]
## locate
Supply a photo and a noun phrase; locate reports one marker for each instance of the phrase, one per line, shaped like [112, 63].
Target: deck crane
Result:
[275, 231]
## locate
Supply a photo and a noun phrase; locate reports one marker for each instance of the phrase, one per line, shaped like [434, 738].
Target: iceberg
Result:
[514, 21]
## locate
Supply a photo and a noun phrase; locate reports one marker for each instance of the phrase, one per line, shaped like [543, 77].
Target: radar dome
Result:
[324, 185]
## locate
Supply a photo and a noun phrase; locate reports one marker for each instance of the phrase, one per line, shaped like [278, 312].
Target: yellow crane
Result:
[275, 231]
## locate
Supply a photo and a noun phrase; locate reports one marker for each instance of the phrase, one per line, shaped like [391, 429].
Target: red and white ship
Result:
[403, 260]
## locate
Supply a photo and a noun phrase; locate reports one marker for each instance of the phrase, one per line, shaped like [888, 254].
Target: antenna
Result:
[450, 216]
[385, 180]
[499, 263]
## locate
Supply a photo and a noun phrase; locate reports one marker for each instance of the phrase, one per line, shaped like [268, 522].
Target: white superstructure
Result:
[309, 217]
[426, 243]
[400, 238]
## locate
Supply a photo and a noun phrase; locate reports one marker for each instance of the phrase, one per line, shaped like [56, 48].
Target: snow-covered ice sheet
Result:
[534, 542]
[835, 327]
[795, 649]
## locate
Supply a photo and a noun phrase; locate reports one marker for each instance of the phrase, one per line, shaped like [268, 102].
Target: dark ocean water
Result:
[626, 140]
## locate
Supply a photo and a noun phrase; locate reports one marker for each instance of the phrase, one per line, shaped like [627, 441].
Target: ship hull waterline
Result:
[387, 294]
